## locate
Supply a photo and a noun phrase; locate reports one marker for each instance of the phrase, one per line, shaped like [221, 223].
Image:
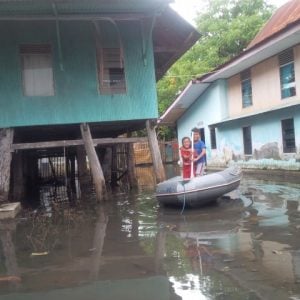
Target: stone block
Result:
[9, 210]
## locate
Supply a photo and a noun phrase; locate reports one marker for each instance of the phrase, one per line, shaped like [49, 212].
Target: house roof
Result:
[283, 17]
[274, 42]
[172, 35]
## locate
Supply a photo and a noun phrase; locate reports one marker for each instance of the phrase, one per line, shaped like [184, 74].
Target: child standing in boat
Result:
[187, 155]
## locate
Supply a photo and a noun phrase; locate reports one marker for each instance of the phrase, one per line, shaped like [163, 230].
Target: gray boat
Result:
[198, 191]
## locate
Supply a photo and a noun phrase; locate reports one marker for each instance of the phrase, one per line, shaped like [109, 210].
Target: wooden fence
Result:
[169, 152]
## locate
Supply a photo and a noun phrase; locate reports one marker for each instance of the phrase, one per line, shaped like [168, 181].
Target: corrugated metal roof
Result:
[282, 18]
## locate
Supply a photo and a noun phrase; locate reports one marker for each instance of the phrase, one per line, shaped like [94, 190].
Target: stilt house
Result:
[79, 72]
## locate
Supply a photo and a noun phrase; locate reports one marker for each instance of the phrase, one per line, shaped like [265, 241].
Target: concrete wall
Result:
[266, 92]
[210, 107]
[266, 135]
[77, 98]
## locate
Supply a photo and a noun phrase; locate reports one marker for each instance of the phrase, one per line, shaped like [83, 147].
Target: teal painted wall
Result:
[209, 108]
[265, 128]
[77, 98]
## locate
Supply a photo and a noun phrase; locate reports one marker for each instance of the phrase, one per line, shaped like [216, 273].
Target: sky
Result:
[187, 8]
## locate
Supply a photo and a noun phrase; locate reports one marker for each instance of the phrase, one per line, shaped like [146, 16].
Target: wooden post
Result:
[131, 166]
[84, 176]
[155, 153]
[114, 166]
[6, 140]
[97, 174]
[73, 175]
[18, 176]
[107, 163]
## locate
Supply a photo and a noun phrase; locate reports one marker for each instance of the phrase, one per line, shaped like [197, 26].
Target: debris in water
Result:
[10, 278]
[39, 253]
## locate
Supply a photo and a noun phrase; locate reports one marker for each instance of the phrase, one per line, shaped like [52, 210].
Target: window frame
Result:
[247, 140]
[246, 85]
[284, 129]
[102, 68]
[213, 138]
[286, 59]
[40, 49]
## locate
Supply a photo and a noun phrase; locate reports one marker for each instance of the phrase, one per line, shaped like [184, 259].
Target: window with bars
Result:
[37, 70]
[287, 74]
[213, 140]
[247, 139]
[246, 88]
[288, 136]
[111, 71]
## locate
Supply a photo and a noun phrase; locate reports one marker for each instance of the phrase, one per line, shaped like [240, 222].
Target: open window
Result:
[37, 70]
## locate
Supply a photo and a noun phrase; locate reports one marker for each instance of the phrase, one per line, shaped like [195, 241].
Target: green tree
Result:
[226, 28]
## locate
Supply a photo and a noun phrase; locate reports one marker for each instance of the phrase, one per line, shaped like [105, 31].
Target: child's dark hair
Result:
[184, 138]
[195, 129]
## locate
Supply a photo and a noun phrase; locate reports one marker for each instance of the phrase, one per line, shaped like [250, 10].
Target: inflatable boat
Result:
[198, 191]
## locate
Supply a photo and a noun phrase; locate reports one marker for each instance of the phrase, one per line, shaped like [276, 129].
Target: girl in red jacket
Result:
[187, 155]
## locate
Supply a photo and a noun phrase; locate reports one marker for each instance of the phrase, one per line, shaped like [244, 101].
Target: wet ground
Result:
[247, 246]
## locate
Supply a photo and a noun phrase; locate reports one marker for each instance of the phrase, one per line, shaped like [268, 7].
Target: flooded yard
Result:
[247, 246]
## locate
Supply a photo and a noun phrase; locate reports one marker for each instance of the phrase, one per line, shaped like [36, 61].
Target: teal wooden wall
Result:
[77, 98]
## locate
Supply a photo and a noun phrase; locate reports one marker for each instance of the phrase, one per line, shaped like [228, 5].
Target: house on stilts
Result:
[248, 109]
[79, 74]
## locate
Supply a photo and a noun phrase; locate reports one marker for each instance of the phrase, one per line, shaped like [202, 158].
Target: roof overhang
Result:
[294, 104]
[260, 52]
[183, 102]
[172, 37]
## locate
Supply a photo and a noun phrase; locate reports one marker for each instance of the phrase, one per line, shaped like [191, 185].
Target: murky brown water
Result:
[245, 247]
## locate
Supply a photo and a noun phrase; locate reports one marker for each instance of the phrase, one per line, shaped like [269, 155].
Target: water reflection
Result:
[245, 247]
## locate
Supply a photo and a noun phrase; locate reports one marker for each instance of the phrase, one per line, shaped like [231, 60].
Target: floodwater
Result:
[247, 246]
